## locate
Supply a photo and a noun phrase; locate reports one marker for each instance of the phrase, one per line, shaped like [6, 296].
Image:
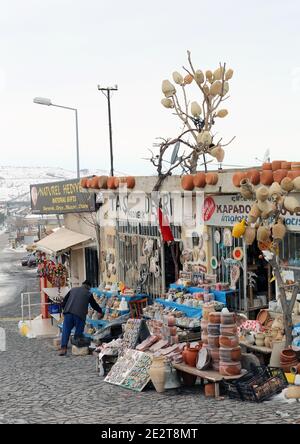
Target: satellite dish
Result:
[174, 156]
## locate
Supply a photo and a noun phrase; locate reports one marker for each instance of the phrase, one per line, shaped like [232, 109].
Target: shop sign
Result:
[61, 197]
[227, 210]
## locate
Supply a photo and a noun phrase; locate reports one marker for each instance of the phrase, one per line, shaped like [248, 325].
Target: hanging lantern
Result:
[177, 77]
[168, 88]
[196, 109]
[167, 103]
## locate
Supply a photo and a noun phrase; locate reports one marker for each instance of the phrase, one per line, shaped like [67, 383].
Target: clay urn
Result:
[287, 184]
[262, 193]
[253, 176]
[212, 178]
[267, 166]
[88, 183]
[157, 373]
[111, 183]
[249, 235]
[254, 214]
[83, 182]
[286, 165]
[296, 183]
[276, 165]
[295, 166]
[247, 189]
[278, 230]
[293, 174]
[263, 234]
[94, 182]
[187, 182]
[102, 182]
[275, 188]
[190, 355]
[266, 177]
[280, 174]
[291, 204]
[267, 209]
[199, 180]
[237, 177]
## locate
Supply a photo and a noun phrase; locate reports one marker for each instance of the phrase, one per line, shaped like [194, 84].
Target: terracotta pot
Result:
[262, 193]
[266, 177]
[213, 341]
[94, 182]
[190, 355]
[214, 317]
[288, 354]
[199, 180]
[83, 182]
[230, 368]
[296, 183]
[247, 189]
[111, 183]
[263, 316]
[209, 390]
[212, 178]
[263, 234]
[213, 329]
[278, 175]
[287, 184]
[128, 182]
[250, 235]
[267, 166]
[214, 353]
[229, 341]
[276, 165]
[254, 213]
[293, 174]
[278, 230]
[253, 176]
[295, 166]
[291, 204]
[102, 182]
[157, 374]
[230, 354]
[286, 165]
[228, 318]
[88, 183]
[187, 182]
[237, 177]
[228, 329]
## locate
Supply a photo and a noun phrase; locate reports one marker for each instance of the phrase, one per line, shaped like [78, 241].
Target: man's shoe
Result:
[62, 351]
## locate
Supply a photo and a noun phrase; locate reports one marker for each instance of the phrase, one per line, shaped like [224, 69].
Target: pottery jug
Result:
[275, 188]
[190, 355]
[263, 234]
[255, 212]
[291, 204]
[157, 373]
[247, 190]
[262, 193]
[278, 230]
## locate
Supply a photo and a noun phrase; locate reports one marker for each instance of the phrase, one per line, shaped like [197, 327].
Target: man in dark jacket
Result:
[75, 305]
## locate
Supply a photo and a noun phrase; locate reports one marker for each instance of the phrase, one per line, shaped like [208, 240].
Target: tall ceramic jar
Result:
[157, 374]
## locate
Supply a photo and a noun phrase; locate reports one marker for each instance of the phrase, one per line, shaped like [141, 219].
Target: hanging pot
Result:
[291, 204]
[262, 193]
[266, 177]
[287, 184]
[263, 234]
[275, 188]
[187, 182]
[249, 235]
[253, 176]
[278, 230]
[267, 209]
[237, 177]
[247, 190]
[199, 180]
[212, 178]
[296, 183]
[255, 212]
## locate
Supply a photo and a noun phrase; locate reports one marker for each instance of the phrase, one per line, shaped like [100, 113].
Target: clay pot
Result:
[229, 341]
[295, 166]
[157, 374]
[83, 182]
[287, 184]
[266, 177]
[88, 183]
[230, 354]
[237, 177]
[276, 165]
[293, 174]
[111, 183]
[278, 230]
[250, 235]
[228, 329]
[212, 178]
[187, 182]
[278, 175]
[291, 204]
[209, 390]
[267, 166]
[190, 355]
[296, 183]
[247, 189]
[254, 213]
[263, 316]
[262, 193]
[287, 355]
[263, 234]
[213, 329]
[102, 182]
[266, 208]
[94, 182]
[228, 318]
[214, 353]
[213, 341]
[286, 165]
[199, 180]
[214, 317]
[230, 368]
[128, 182]
[275, 188]
[253, 176]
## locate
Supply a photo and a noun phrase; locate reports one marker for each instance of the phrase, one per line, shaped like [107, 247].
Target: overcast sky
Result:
[62, 49]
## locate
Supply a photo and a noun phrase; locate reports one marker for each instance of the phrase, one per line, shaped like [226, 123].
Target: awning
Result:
[61, 239]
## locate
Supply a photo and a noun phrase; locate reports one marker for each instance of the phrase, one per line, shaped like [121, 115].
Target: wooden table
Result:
[264, 350]
[210, 375]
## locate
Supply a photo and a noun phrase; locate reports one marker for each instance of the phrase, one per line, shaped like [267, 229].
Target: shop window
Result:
[92, 266]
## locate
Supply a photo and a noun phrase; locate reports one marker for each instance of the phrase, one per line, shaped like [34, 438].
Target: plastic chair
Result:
[136, 308]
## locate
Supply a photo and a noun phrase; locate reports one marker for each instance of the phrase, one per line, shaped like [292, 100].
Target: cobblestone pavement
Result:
[37, 386]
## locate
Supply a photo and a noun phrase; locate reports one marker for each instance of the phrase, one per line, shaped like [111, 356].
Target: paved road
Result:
[37, 386]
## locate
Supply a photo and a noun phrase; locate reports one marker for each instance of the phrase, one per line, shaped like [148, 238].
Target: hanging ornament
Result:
[238, 253]
[214, 262]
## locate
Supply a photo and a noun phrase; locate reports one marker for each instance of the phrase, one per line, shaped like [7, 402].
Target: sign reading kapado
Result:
[60, 197]
[226, 210]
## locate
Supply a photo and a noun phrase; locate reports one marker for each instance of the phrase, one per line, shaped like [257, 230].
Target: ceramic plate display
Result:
[217, 237]
[227, 237]
[214, 262]
[238, 254]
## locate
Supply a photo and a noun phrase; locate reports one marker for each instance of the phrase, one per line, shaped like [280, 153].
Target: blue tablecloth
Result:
[190, 312]
[220, 296]
[109, 294]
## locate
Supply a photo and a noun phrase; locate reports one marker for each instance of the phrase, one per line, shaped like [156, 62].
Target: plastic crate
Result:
[258, 385]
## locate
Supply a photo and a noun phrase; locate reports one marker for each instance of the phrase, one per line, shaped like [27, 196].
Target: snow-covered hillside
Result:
[15, 181]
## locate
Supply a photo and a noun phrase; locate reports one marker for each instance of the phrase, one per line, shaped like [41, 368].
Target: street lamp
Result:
[47, 102]
[106, 91]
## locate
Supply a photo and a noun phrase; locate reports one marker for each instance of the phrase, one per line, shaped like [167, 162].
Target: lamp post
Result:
[106, 91]
[47, 102]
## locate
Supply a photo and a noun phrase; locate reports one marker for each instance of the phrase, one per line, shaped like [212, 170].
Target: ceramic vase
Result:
[262, 193]
[157, 374]
[249, 235]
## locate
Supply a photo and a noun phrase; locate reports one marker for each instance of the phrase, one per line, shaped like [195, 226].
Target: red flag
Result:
[164, 226]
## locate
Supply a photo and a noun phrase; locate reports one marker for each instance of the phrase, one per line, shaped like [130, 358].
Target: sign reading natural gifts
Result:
[60, 197]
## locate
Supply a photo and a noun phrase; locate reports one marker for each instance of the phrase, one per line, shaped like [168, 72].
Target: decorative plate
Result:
[238, 253]
[214, 262]
[227, 237]
[217, 237]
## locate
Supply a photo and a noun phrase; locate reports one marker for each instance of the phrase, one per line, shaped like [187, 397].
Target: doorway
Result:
[92, 266]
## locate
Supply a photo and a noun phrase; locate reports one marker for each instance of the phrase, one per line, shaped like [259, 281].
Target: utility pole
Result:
[107, 92]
